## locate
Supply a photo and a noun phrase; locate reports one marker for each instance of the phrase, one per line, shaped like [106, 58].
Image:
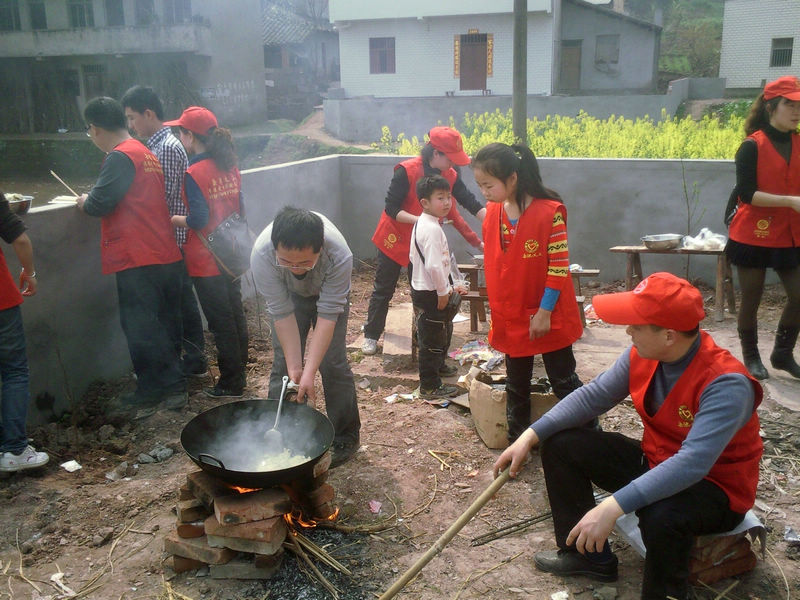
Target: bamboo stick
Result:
[448, 535]
[74, 193]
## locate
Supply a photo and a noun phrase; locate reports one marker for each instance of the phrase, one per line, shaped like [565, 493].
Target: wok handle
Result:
[210, 460]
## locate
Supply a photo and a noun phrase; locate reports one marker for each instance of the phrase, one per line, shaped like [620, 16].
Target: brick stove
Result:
[239, 533]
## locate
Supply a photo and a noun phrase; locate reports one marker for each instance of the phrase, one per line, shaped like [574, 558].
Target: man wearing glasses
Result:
[302, 266]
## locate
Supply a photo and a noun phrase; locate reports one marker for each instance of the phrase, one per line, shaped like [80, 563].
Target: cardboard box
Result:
[488, 408]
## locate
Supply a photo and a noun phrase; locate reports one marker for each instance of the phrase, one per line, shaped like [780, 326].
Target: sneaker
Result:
[443, 391]
[447, 370]
[219, 392]
[572, 562]
[369, 347]
[27, 459]
[343, 451]
[132, 402]
[175, 400]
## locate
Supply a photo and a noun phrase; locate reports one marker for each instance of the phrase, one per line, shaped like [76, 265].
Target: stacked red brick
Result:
[241, 535]
[717, 557]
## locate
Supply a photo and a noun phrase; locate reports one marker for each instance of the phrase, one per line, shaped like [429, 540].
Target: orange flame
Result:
[244, 490]
[296, 518]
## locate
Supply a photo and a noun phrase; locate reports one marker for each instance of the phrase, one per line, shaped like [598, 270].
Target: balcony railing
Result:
[190, 37]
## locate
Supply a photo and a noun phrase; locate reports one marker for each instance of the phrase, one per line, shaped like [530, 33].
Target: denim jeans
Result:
[14, 373]
[149, 312]
[434, 334]
[574, 459]
[337, 378]
[221, 299]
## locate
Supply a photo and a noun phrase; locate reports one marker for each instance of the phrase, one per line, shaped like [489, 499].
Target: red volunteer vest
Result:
[138, 232]
[221, 191]
[515, 281]
[9, 292]
[773, 227]
[736, 470]
[394, 238]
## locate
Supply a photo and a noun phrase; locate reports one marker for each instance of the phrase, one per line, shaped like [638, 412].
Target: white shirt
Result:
[434, 273]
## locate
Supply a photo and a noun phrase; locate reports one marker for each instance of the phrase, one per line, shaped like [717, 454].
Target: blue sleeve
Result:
[198, 207]
[725, 407]
[549, 298]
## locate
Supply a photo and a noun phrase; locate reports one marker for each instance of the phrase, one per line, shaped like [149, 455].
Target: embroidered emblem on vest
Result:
[685, 417]
[531, 249]
[390, 240]
[762, 228]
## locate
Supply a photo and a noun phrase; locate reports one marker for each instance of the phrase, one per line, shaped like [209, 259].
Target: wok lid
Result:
[228, 441]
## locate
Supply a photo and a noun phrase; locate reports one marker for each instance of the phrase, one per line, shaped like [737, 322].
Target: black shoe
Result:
[174, 400]
[219, 392]
[443, 391]
[572, 562]
[343, 451]
[448, 370]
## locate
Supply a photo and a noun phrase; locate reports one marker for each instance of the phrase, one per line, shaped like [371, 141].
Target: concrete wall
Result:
[747, 31]
[361, 119]
[638, 47]
[72, 324]
[355, 10]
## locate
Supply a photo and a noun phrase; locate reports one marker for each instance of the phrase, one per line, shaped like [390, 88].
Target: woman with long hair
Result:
[765, 230]
[212, 192]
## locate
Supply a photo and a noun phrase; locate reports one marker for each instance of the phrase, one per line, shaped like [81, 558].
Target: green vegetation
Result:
[712, 137]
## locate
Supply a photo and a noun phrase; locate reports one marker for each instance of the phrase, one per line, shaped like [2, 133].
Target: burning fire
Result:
[296, 518]
[244, 490]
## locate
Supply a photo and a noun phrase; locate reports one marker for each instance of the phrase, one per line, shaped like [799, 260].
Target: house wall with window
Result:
[615, 52]
[429, 58]
[760, 42]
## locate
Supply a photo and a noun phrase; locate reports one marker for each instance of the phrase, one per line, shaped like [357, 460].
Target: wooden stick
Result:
[321, 554]
[446, 536]
[295, 547]
[53, 173]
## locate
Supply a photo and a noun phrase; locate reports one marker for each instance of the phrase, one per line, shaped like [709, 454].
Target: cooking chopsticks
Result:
[53, 173]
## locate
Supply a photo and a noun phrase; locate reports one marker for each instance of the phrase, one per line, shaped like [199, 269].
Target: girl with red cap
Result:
[441, 155]
[212, 192]
[526, 262]
[765, 227]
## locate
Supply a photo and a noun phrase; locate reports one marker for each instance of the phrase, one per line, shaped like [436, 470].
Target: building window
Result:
[606, 51]
[381, 55]
[177, 11]
[38, 14]
[115, 15]
[781, 55]
[145, 12]
[9, 15]
[273, 57]
[93, 80]
[81, 13]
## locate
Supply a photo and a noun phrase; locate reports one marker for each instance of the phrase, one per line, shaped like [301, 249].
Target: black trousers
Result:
[193, 341]
[387, 272]
[574, 459]
[221, 299]
[341, 404]
[149, 313]
[560, 368]
[434, 333]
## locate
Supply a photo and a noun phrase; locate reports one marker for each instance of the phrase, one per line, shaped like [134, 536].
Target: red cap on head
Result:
[788, 87]
[448, 141]
[195, 119]
[661, 299]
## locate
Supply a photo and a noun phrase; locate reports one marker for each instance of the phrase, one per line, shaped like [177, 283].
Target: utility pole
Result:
[519, 98]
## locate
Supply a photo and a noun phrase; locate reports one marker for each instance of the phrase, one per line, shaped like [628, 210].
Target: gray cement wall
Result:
[72, 324]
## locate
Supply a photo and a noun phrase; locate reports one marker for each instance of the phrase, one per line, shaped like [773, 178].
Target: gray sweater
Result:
[329, 279]
[726, 405]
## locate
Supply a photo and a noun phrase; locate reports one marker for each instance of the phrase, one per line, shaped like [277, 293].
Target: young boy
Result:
[435, 300]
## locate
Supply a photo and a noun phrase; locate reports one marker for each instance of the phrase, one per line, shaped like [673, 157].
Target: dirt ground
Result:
[418, 469]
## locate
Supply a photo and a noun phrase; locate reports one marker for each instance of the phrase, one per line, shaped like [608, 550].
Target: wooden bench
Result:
[576, 284]
[724, 284]
[476, 296]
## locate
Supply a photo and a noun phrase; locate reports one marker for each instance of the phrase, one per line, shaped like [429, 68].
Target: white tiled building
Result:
[760, 42]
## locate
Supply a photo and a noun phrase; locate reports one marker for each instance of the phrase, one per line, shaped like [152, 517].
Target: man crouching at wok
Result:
[302, 266]
[694, 472]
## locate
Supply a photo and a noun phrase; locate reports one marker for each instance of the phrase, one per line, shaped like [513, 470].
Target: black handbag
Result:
[231, 243]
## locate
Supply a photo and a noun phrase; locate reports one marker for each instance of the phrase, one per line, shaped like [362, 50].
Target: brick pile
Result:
[240, 535]
[717, 557]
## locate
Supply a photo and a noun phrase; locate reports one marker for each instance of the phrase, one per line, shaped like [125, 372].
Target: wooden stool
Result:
[576, 284]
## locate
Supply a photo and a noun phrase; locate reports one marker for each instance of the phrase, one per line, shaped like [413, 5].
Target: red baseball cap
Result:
[661, 299]
[195, 119]
[788, 87]
[448, 141]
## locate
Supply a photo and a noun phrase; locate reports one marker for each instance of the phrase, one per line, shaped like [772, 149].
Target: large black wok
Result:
[228, 441]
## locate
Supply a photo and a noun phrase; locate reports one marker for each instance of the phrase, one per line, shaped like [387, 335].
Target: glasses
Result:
[88, 127]
[304, 266]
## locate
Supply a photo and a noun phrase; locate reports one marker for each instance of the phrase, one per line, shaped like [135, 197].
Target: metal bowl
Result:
[20, 204]
[662, 241]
